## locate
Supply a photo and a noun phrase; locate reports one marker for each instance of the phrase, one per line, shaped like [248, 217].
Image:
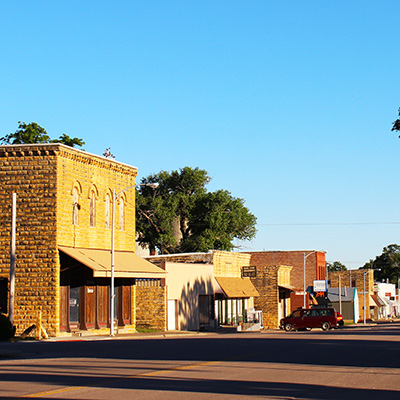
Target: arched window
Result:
[107, 213]
[121, 214]
[92, 209]
[75, 206]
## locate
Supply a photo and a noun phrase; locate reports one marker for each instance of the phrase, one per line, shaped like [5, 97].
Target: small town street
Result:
[350, 363]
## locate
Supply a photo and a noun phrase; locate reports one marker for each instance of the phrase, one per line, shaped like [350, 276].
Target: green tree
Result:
[33, 133]
[181, 216]
[336, 266]
[65, 139]
[386, 265]
[396, 124]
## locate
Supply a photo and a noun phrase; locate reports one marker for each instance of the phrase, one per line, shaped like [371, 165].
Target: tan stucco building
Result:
[205, 290]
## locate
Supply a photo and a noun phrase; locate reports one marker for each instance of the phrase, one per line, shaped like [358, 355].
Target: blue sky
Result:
[287, 105]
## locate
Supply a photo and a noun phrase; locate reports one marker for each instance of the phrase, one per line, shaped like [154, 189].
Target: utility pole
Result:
[12, 258]
[340, 296]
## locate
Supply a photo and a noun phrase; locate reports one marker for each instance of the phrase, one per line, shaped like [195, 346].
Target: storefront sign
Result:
[249, 272]
[319, 286]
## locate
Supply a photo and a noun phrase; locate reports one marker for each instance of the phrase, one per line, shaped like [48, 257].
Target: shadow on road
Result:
[375, 348]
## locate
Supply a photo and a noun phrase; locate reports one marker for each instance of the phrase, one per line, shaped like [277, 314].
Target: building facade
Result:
[387, 295]
[363, 280]
[63, 237]
[205, 290]
[279, 278]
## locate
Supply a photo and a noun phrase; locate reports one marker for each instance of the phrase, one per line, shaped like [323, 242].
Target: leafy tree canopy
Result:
[387, 265]
[33, 133]
[336, 266]
[396, 124]
[182, 216]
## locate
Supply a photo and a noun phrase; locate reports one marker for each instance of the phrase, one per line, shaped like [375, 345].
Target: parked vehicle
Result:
[308, 318]
[339, 318]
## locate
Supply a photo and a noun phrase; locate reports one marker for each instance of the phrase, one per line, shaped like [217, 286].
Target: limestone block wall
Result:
[44, 178]
[229, 264]
[266, 283]
[87, 174]
[133, 307]
[30, 172]
[151, 307]
[355, 278]
[284, 275]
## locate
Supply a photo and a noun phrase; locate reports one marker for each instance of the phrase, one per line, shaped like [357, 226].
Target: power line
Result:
[330, 223]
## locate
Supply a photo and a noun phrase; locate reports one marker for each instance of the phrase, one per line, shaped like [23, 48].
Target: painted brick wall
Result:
[151, 303]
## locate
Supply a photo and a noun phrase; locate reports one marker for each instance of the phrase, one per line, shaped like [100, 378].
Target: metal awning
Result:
[374, 299]
[237, 287]
[126, 263]
[288, 287]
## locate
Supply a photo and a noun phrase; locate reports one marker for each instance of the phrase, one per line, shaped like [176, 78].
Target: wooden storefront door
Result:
[90, 307]
[124, 305]
[64, 309]
[102, 294]
[74, 309]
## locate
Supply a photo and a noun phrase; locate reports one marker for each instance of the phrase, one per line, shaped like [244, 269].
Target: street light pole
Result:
[115, 197]
[304, 275]
[364, 296]
[340, 295]
[12, 258]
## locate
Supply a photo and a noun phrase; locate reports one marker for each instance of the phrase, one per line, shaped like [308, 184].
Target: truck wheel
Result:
[325, 326]
[288, 327]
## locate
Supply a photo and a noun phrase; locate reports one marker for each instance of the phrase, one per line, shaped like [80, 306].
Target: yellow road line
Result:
[49, 392]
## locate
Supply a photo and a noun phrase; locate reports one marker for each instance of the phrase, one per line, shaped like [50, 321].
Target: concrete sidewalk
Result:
[124, 336]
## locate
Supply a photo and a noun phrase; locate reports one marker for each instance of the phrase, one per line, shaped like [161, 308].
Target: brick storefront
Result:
[271, 267]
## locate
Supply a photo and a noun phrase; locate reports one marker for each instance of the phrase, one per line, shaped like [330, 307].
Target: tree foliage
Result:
[182, 216]
[386, 265]
[33, 133]
[396, 124]
[336, 266]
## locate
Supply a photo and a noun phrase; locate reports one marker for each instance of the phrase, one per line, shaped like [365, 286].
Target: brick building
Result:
[63, 238]
[357, 278]
[279, 278]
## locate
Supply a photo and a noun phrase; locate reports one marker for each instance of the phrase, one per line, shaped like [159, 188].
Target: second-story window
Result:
[121, 214]
[75, 206]
[107, 211]
[92, 209]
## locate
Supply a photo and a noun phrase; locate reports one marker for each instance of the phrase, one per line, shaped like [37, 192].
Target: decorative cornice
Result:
[70, 153]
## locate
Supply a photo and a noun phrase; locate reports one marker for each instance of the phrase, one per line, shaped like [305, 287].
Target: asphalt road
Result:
[361, 363]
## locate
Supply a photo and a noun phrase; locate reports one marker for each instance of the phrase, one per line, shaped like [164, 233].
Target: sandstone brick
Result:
[43, 177]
